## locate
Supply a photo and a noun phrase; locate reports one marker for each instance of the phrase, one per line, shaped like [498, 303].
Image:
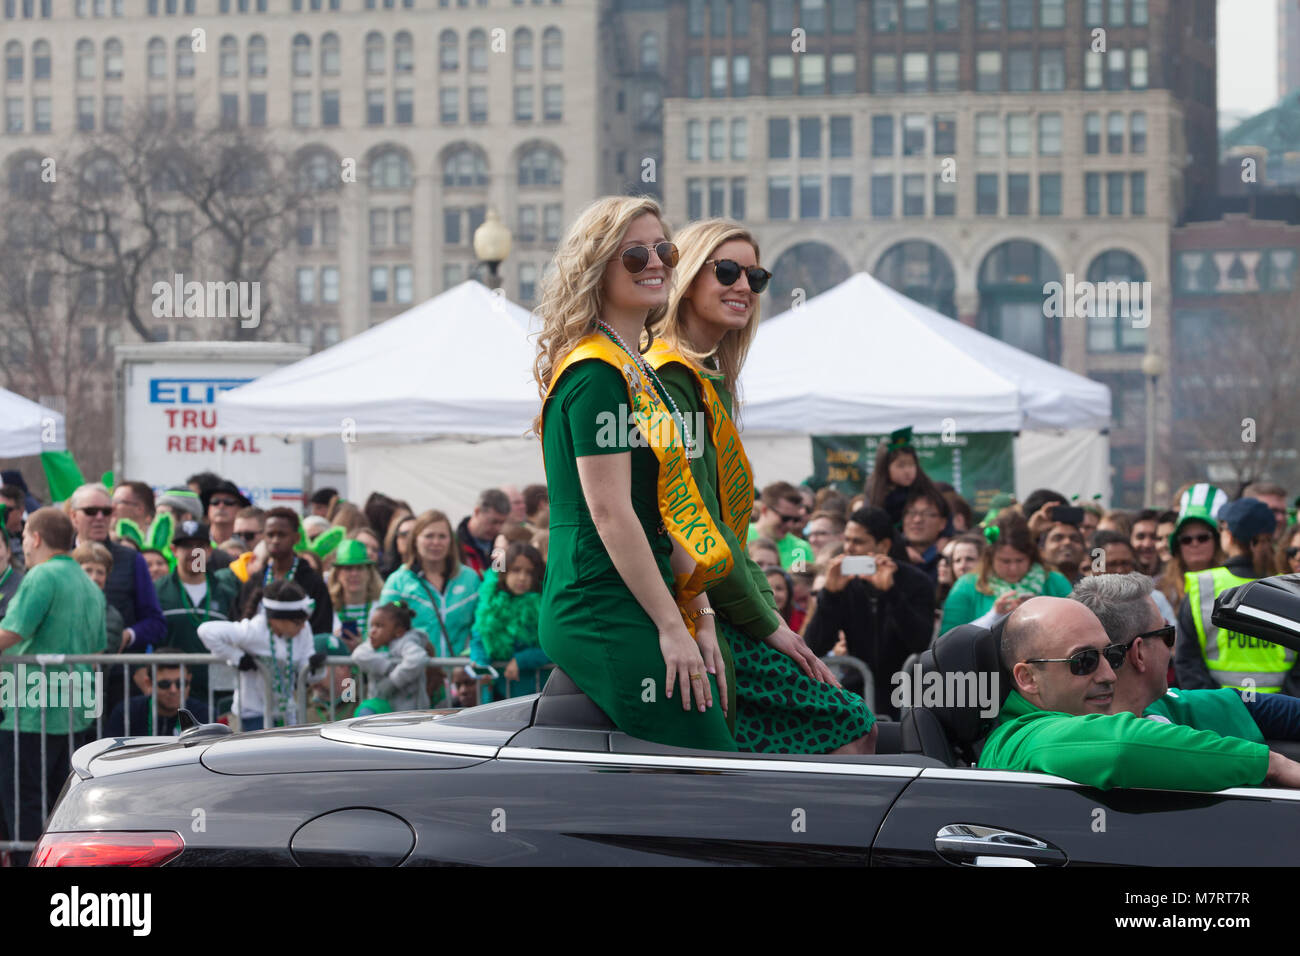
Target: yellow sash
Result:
[680, 506]
[734, 479]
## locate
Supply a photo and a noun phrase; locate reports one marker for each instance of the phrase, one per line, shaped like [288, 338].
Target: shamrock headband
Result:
[992, 533]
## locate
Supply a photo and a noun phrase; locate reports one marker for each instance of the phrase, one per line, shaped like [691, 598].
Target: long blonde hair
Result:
[571, 291]
[697, 243]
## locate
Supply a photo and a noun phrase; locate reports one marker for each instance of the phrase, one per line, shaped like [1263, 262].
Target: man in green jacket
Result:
[1123, 605]
[1058, 720]
[195, 593]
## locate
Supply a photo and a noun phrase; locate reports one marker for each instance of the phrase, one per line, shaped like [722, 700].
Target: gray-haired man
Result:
[1123, 604]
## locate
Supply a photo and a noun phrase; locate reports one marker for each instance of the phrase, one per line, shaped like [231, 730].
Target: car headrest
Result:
[970, 661]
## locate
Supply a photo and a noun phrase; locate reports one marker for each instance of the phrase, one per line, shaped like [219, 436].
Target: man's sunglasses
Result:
[790, 519]
[1200, 538]
[1086, 661]
[224, 502]
[96, 512]
[169, 684]
[637, 258]
[1168, 634]
[727, 271]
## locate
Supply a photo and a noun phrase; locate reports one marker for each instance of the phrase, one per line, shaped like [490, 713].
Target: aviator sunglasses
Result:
[1086, 661]
[727, 271]
[637, 258]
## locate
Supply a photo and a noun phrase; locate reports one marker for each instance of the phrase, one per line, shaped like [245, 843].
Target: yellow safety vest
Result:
[1233, 659]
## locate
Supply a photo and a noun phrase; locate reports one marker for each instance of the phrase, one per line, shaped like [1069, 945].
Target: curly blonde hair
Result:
[571, 291]
[697, 243]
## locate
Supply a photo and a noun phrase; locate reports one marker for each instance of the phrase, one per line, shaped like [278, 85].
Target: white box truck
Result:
[166, 422]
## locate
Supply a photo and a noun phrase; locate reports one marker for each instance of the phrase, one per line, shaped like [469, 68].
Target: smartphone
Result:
[858, 564]
[1068, 515]
[350, 628]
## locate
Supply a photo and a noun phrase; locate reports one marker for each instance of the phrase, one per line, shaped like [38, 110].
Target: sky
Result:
[1247, 47]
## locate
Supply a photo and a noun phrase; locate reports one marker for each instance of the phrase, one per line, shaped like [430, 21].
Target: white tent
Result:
[431, 406]
[27, 428]
[862, 358]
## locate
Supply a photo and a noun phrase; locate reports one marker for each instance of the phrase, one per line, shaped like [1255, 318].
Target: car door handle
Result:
[970, 844]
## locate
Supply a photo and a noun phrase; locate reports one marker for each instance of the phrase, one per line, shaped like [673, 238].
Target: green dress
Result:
[779, 708]
[590, 625]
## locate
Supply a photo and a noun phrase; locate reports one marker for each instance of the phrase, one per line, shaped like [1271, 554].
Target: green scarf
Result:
[505, 622]
[1035, 580]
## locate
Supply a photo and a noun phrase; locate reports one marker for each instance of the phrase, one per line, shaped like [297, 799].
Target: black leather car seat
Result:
[949, 732]
[563, 704]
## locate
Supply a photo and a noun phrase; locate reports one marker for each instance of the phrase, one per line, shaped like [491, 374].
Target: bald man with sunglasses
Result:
[1058, 717]
[1123, 605]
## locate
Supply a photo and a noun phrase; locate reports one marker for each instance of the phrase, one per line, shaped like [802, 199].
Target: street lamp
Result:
[1153, 366]
[492, 244]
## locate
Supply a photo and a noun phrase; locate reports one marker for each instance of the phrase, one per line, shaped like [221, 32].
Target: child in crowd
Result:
[783, 592]
[896, 474]
[397, 655]
[276, 640]
[96, 560]
[505, 624]
[764, 552]
[157, 564]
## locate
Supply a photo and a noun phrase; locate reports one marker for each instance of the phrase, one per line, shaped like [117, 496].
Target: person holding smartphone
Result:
[882, 603]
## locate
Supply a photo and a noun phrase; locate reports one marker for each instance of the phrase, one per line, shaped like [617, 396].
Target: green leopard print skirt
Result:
[781, 710]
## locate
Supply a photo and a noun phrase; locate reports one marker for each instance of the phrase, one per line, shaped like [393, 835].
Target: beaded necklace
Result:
[653, 376]
[276, 673]
[270, 568]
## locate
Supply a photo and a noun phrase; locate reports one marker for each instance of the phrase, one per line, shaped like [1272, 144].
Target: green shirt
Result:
[1120, 750]
[790, 548]
[57, 610]
[1220, 710]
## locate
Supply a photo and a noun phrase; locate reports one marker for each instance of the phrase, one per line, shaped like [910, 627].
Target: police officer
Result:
[1206, 656]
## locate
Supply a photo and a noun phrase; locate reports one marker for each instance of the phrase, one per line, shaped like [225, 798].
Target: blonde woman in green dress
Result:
[786, 699]
[617, 610]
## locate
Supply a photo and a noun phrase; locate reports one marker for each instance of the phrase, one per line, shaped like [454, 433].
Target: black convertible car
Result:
[548, 780]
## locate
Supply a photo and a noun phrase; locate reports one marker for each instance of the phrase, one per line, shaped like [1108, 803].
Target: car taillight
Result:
[107, 848]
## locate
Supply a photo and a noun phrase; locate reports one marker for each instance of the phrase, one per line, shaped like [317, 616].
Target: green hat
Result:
[1201, 502]
[350, 553]
[329, 644]
[371, 706]
[900, 438]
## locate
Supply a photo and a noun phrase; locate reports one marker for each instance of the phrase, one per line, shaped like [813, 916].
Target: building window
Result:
[947, 15]
[523, 104]
[301, 55]
[884, 73]
[229, 111]
[988, 14]
[404, 107]
[841, 136]
[1017, 194]
[810, 137]
[448, 51]
[694, 199]
[86, 60]
[1050, 132]
[988, 71]
[185, 110]
[1092, 11]
[1138, 197]
[85, 113]
[778, 197]
[1092, 194]
[1138, 78]
[306, 285]
[375, 107]
[695, 76]
[553, 102]
[717, 139]
[1051, 70]
[780, 75]
[478, 104]
[717, 197]
[449, 105]
[552, 49]
[1114, 194]
[740, 138]
[228, 57]
[476, 51]
[1116, 76]
[329, 55]
[390, 170]
[1017, 134]
[914, 134]
[695, 139]
[41, 114]
[329, 285]
[884, 16]
[1051, 14]
[945, 134]
[527, 224]
[1049, 194]
[1137, 142]
[882, 135]
[738, 199]
[376, 60]
[403, 284]
[1092, 133]
[916, 16]
[988, 137]
[812, 74]
[329, 108]
[1114, 132]
[403, 53]
[257, 56]
[740, 75]
[840, 205]
[945, 196]
[882, 197]
[113, 60]
[402, 221]
[986, 194]
[717, 76]
[1020, 71]
[1092, 64]
[946, 65]
[14, 115]
[916, 72]
[378, 283]
[913, 195]
[1110, 330]
[778, 137]
[1020, 14]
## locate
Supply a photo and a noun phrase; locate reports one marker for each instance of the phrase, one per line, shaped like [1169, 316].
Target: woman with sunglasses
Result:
[1288, 551]
[623, 510]
[786, 699]
[1193, 547]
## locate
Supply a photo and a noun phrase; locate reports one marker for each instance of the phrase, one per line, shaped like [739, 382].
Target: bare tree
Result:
[1234, 391]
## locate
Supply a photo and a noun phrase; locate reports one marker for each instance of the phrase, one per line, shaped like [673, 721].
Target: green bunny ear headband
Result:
[160, 536]
[325, 543]
[126, 528]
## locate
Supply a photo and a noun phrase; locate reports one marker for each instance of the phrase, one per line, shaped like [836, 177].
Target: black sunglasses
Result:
[224, 502]
[638, 257]
[169, 684]
[1168, 634]
[1086, 661]
[1291, 553]
[1200, 538]
[101, 512]
[727, 271]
